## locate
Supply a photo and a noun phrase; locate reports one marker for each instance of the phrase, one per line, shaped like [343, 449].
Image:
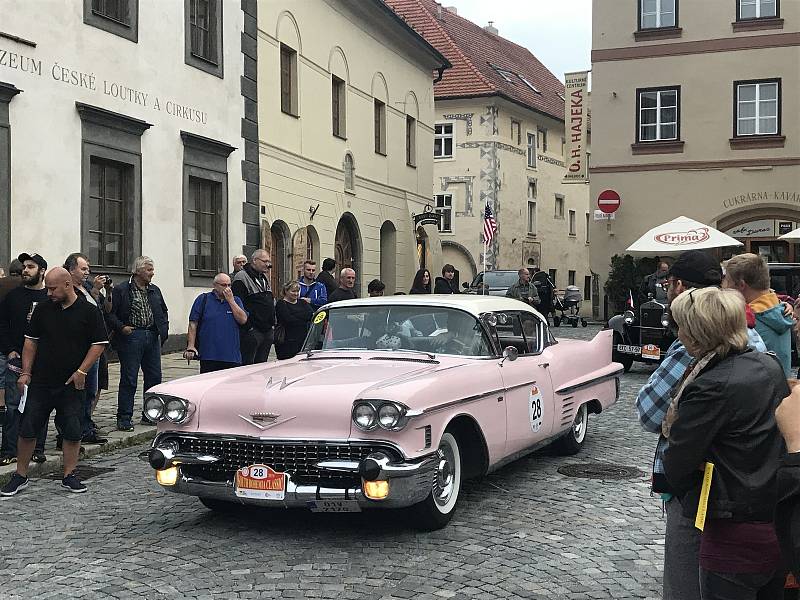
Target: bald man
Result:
[64, 339]
[214, 322]
[346, 289]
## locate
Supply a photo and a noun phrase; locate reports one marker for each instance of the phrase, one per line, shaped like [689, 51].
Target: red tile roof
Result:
[474, 54]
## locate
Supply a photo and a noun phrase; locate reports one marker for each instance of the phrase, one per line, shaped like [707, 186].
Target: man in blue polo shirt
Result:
[214, 322]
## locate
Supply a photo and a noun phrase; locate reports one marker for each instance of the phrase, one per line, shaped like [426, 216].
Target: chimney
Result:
[490, 28]
[451, 9]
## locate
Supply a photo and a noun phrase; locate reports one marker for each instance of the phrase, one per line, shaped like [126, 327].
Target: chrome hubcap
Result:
[443, 487]
[579, 425]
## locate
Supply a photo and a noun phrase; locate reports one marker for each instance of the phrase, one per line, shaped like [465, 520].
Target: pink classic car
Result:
[392, 403]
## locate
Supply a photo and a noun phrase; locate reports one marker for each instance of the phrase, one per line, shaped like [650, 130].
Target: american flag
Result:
[489, 225]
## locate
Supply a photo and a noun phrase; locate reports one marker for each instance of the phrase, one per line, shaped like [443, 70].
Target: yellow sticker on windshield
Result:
[320, 318]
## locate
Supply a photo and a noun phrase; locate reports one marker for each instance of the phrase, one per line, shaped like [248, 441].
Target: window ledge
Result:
[379, 153]
[408, 164]
[531, 235]
[659, 33]
[757, 24]
[661, 147]
[202, 274]
[757, 141]
[443, 157]
[290, 114]
[341, 137]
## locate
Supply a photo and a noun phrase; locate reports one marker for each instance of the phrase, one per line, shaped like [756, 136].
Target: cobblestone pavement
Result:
[523, 532]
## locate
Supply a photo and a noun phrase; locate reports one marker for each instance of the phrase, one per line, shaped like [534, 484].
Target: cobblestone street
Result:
[526, 531]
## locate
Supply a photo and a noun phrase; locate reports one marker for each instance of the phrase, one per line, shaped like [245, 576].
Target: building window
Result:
[532, 188]
[559, 212]
[411, 141]
[289, 103]
[587, 227]
[204, 35]
[587, 287]
[338, 107]
[542, 137]
[658, 114]
[120, 17]
[532, 217]
[202, 239]
[571, 222]
[110, 195]
[444, 206]
[654, 14]
[570, 277]
[349, 173]
[205, 208]
[443, 140]
[756, 9]
[553, 273]
[758, 107]
[8, 92]
[532, 150]
[516, 132]
[380, 127]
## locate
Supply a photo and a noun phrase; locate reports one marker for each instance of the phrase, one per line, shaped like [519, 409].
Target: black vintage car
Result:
[641, 334]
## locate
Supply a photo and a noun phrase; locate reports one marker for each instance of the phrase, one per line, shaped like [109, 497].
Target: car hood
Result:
[309, 398]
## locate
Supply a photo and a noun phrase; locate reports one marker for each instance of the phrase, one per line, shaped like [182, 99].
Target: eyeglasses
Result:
[264, 260]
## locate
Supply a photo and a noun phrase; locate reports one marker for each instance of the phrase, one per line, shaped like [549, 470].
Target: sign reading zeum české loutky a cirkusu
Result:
[67, 75]
[576, 117]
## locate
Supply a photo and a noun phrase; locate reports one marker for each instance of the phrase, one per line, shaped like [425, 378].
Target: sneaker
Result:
[15, 484]
[73, 484]
[39, 457]
[124, 427]
[7, 460]
[91, 438]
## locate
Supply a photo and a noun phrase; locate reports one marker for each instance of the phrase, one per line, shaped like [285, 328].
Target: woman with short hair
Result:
[723, 412]
[294, 318]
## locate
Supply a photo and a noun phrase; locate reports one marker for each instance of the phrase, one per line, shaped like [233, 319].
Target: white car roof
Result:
[471, 303]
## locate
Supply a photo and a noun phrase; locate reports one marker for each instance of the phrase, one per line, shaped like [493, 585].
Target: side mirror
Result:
[465, 285]
[510, 354]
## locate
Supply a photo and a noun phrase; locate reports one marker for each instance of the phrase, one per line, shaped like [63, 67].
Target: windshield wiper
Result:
[430, 355]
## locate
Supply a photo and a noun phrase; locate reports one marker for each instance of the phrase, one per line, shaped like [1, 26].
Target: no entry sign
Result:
[608, 201]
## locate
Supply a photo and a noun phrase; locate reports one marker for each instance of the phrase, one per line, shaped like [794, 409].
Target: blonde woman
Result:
[723, 412]
[294, 317]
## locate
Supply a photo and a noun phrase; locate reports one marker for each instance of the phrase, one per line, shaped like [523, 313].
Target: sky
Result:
[557, 32]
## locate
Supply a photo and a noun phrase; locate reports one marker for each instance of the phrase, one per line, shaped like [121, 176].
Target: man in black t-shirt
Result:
[64, 338]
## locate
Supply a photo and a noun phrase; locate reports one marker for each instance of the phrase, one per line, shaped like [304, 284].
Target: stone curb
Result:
[55, 463]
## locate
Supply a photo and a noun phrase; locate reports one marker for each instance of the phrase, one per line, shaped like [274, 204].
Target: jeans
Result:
[741, 586]
[91, 391]
[140, 349]
[8, 445]
[255, 346]
[681, 555]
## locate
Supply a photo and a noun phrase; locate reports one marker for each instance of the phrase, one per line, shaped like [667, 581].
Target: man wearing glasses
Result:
[693, 269]
[214, 322]
[251, 284]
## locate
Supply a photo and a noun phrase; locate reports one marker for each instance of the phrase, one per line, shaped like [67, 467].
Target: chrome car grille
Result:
[299, 460]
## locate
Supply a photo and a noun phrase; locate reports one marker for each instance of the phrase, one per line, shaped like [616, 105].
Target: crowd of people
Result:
[719, 402]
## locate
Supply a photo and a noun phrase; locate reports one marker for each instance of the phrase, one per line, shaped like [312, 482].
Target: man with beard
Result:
[15, 313]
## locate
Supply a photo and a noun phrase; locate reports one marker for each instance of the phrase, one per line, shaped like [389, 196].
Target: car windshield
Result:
[501, 278]
[384, 327]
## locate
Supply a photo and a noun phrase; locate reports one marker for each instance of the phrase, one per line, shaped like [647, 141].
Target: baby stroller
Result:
[569, 305]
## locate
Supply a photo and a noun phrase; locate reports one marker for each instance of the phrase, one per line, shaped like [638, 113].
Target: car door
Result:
[528, 388]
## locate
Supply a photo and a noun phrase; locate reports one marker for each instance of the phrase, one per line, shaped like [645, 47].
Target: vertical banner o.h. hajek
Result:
[576, 121]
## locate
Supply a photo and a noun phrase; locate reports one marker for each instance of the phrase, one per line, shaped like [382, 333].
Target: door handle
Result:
[544, 365]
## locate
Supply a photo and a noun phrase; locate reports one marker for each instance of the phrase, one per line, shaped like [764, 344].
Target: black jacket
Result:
[341, 294]
[787, 515]
[258, 302]
[726, 416]
[330, 283]
[443, 286]
[120, 314]
[14, 311]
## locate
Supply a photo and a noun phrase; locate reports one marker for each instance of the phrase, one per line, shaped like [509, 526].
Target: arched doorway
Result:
[389, 257]
[281, 256]
[347, 248]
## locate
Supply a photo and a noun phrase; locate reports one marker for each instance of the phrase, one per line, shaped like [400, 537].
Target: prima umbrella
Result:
[680, 235]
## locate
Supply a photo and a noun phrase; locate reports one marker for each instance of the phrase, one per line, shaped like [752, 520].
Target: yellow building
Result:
[696, 112]
[346, 124]
[499, 139]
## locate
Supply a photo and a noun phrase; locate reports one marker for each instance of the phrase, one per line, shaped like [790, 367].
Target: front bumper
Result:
[410, 482]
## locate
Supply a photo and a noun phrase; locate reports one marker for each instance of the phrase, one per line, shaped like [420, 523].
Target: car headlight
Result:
[628, 317]
[388, 416]
[154, 408]
[176, 410]
[391, 416]
[365, 416]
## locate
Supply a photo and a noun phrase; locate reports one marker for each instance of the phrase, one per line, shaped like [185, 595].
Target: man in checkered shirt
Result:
[693, 269]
